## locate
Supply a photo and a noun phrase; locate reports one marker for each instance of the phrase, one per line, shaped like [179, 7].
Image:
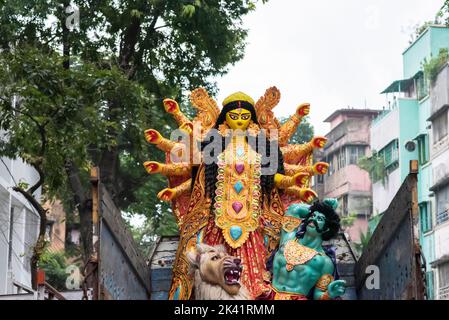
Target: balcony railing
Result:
[443, 293]
[442, 216]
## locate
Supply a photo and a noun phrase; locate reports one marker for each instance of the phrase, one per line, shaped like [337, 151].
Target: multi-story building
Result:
[348, 141]
[439, 156]
[18, 226]
[402, 133]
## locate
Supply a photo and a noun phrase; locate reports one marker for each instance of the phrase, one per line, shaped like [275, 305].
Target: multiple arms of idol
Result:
[293, 182]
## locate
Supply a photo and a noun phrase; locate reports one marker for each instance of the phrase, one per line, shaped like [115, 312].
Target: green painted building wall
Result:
[408, 130]
[413, 115]
[426, 47]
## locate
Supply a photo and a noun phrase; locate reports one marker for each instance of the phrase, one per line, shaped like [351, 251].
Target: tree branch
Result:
[40, 182]
[160, 27]
[75, 183]
[29, 197]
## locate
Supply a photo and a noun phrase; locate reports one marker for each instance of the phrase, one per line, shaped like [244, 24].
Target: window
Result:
[332, 169]
[439, 127]
[443, 281]
[341, 159]
[425, 216]
[423, 149]
[422, 89]
[355, 153]
[390, 153]
[442, 198]
[320, 179]
[429, 285]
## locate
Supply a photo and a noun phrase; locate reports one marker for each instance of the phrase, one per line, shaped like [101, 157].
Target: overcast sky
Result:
[333, 54]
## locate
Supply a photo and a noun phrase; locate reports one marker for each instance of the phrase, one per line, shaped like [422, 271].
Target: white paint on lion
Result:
[209, 266]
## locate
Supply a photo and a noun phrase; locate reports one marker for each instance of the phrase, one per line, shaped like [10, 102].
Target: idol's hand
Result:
[320, 167]
[152, 167]
[318, 142]
[187, 127]
[167, 194]
[303, 110]
[153, 136]
[171, 106]
[336, 288]
[300, 179]
[308, 195]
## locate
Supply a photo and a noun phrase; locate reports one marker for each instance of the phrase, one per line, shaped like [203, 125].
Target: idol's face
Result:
[238, 119]
[316, 223]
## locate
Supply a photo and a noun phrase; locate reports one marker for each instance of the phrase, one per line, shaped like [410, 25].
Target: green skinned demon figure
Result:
[301, 267]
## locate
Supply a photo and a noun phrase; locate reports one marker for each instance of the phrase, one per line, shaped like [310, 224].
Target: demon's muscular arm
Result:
[326, 287]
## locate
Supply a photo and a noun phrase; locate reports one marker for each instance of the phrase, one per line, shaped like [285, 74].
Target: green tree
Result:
[86, 95]
[348, 221]
[433, 66]
[50, 114]
[375, 166]
[364, 240]
[54, 264]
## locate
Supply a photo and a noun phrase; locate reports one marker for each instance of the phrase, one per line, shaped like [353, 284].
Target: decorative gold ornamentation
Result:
[181, 119]
[264, 107]
[167, 145]
[176, 169]
[293, 152]
[253, 129]
[283, 295]
[290, 223]
[324, 281]
[292, 169]
[182, 188]
[223, 129]
[285, 182]
[208, 110]
[273, 212]
[192, 205]
[237, 213]
[295, 191]
[196, 219]
[295, 254]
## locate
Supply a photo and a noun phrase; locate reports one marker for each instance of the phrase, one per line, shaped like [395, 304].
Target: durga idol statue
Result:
[236, 194]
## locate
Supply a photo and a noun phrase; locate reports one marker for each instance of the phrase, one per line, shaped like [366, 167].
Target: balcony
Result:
[443, 293]
[439, 93]
[353, 132]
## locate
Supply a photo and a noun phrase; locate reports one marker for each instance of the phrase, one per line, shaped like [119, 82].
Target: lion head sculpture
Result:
[216, 274]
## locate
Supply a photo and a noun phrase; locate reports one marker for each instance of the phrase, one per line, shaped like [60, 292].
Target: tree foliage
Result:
[363, 244]
[433, 66]
[88, 93]
[348, 221]
[375, 166]
[54, 264]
